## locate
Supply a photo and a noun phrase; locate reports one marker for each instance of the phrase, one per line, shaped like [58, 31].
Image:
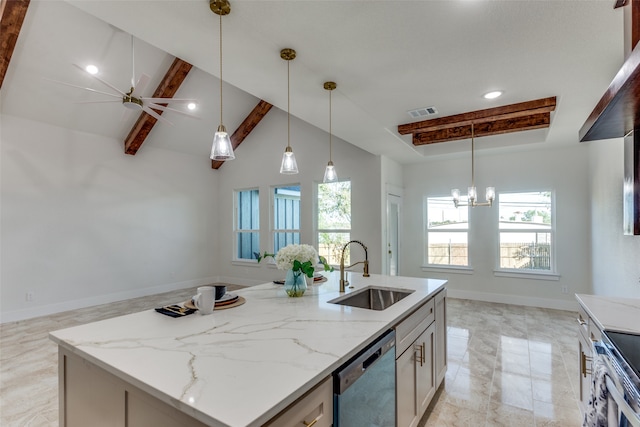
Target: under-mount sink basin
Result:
[373, 298]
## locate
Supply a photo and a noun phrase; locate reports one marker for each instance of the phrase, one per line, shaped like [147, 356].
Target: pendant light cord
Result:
[330, 125]
[473, 181]
[288, 106]
[133, 67]
[220, 68]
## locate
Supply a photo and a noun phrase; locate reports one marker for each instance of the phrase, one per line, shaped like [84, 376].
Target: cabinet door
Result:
[425, 368]
[584, 360]
[407, 406]
[441, 336]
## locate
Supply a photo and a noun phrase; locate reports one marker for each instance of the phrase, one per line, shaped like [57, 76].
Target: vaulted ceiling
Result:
[388, 57]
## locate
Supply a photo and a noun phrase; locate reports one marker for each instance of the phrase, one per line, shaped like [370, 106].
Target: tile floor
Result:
[508, 365]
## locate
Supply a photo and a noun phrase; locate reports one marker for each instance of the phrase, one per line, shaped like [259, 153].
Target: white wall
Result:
[563, 170]
[257, 165]
[616, 257]
[82, 223]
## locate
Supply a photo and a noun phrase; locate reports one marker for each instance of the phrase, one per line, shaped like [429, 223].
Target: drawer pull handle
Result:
[420, 347]
[580, 321]
[315, 420]
[583, 364]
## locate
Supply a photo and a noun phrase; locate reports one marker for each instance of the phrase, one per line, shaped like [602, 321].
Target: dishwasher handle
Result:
[371, 359]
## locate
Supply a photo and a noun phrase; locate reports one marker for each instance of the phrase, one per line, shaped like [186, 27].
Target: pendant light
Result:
[289, 165]
[330, 174]
[472, 194]
[221, 149]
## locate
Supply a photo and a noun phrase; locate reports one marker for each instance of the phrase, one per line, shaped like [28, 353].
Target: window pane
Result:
[334, 206]
[531, 251]
[280, 240]
[248, 244]
[447, 232]
[525, 210]
[442, 214]
[448, 248]
[286, 216]
[330, 245]
[247, 218]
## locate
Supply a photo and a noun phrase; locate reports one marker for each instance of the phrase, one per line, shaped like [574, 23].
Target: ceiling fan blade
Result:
[168, 100]
[163, 108]
[97, 102]
[101, 81]
[85, 88]
[141, 85]
[155, 115]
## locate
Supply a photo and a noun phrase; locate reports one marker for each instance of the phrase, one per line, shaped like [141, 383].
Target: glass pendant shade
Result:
[330, 174]
[289, 165]
[490, 194]
[222, 148]
[472, 193]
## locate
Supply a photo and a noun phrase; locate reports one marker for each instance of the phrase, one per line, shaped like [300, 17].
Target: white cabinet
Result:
[417, 363]
[588, 332]
[441, 336]
[313, 409]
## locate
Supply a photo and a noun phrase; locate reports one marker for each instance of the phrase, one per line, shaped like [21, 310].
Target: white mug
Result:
[205, 299]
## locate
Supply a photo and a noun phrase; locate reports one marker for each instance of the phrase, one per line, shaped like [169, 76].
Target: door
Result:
[394, 204]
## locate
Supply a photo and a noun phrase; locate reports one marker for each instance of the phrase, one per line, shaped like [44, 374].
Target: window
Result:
[334, 219]
[286, 216]
[247, 224]
[447, 231]
[526, 231]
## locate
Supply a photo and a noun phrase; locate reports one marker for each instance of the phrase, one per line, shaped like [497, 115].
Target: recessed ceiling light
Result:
[91, 69]
[192, 106]
[492, 95]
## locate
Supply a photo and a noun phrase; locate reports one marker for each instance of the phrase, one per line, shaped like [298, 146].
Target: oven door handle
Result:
[623, 406]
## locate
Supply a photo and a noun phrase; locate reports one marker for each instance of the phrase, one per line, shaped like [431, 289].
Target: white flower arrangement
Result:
[302, 253]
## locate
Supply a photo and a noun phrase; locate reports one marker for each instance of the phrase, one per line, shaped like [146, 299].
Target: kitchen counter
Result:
[243, 365]
[611, 313]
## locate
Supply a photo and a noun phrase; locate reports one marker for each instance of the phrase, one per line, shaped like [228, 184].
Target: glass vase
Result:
[294, 283]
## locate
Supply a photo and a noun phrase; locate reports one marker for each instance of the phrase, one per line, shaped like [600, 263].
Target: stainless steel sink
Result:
[373, 298]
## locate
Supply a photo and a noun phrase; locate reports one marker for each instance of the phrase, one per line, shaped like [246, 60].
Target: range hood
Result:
[617, 115]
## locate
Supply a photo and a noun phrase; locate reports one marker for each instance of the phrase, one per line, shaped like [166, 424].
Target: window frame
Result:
[316, 218]
[237, 230]
[552, 272]
[426, 266]
[272, 222]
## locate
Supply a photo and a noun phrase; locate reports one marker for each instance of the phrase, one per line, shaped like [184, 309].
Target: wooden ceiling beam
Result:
[245, 128]
[503, 113]
[167, 88]
[484, 128]
[12, 13]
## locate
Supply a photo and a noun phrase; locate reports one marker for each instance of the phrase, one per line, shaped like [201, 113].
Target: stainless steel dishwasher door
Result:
[364, 391]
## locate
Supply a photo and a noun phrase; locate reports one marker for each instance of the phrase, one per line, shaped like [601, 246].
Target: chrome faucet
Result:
[342, 267]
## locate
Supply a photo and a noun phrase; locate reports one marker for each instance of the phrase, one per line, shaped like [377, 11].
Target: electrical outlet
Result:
[29, 296]
[565, 289]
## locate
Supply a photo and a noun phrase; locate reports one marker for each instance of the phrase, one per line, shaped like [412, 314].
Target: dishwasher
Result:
[364, 389]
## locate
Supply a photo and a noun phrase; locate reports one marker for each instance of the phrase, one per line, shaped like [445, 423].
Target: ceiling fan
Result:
[133, 100]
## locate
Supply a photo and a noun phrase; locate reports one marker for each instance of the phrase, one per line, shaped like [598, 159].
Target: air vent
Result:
[423, 112]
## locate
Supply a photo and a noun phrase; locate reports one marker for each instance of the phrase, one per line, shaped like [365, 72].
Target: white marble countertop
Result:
[612, 313]
[243, 365]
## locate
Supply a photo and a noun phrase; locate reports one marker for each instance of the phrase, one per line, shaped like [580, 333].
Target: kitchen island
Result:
[236, 367]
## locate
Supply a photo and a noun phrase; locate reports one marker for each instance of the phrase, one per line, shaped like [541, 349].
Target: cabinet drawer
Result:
[410, 328]
[314, 408]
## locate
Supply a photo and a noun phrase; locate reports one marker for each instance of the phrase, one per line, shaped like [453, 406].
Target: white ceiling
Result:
[387, 57]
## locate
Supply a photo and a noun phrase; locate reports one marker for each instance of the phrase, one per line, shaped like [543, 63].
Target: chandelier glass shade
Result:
[472, 192]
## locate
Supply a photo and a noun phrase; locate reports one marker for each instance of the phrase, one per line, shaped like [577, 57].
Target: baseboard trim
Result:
[569, 305]
[44, 310]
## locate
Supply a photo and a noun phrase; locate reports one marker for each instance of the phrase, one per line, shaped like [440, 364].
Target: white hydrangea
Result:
[302, 253]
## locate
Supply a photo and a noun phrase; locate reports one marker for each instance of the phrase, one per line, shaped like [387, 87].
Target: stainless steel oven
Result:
[620, 352]
[364, 392]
